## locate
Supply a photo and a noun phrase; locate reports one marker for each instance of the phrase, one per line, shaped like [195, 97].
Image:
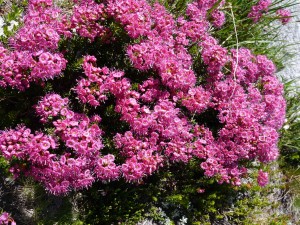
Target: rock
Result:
[290, 35]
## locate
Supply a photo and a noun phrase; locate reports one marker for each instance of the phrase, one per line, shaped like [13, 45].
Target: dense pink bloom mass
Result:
[35, 55]
[164, 112]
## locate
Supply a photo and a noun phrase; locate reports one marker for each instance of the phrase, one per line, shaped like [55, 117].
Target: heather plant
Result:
[111, 95]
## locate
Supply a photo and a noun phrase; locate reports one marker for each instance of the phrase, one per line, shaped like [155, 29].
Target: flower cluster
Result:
[33, 57]
[218, 18]
[165, 112]
[85, 20]
[196, 100]
[43, 25]
[80, 137]
[257, 10]
[262, 7]
[217, 15]
[262, 178]
[5, 219]
[133, 14]
[51, 106]
[213, 55]
[99, 81]
[19, 68]
[284, 15]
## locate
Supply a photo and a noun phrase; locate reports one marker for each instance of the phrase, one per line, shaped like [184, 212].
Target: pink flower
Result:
[218, 18]
[6, 219]
[263, 178]
[200, 190]
[284, 15]
[257, 10]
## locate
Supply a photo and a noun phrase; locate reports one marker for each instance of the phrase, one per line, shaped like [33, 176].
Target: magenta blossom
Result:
[263, 178]
[284, 15]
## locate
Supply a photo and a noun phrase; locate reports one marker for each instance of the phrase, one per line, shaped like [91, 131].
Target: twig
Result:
[237, 50]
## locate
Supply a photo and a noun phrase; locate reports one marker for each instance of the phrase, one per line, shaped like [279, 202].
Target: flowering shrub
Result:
[159, 100]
